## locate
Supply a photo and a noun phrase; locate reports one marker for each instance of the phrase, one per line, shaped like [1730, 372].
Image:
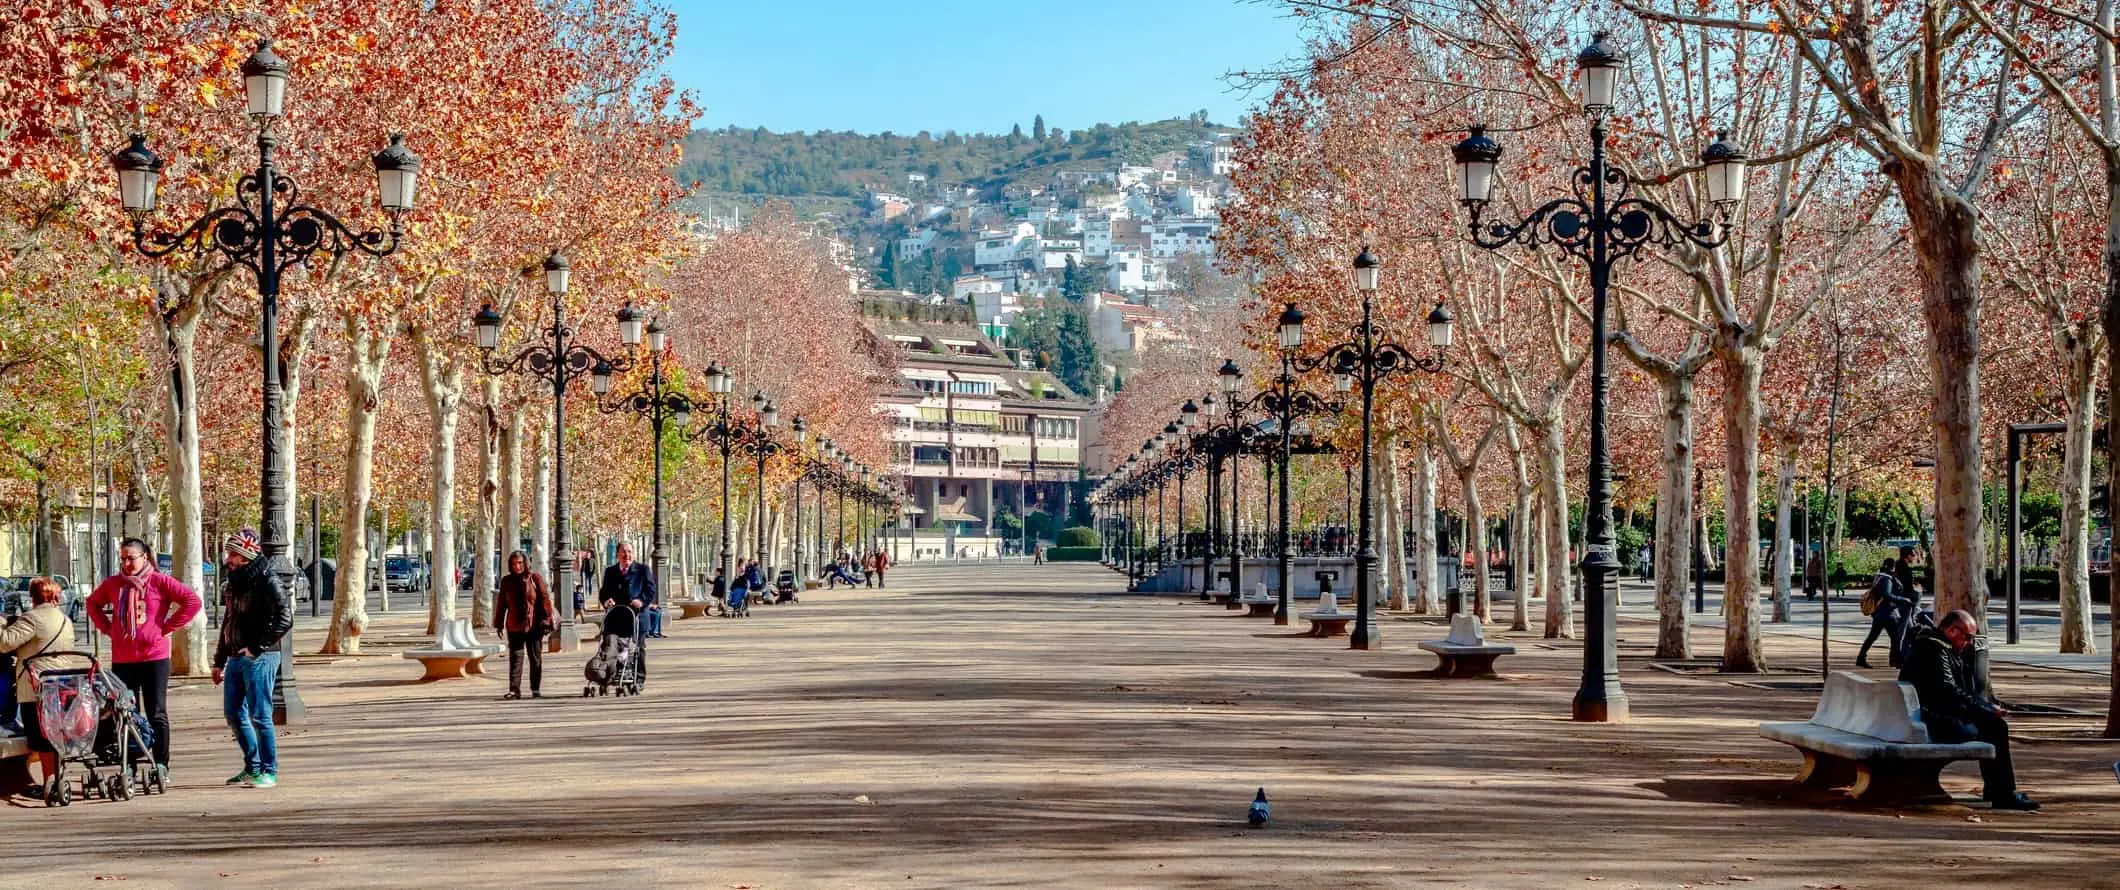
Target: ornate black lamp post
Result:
[1365, 360]
[724, 436]
[1287, 401]
[559, 362]
[260, 234]
[657, 401]
[1600, 224]
[760, 445]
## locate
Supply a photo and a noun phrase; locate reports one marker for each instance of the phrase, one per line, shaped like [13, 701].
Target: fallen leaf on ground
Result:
[863, 800]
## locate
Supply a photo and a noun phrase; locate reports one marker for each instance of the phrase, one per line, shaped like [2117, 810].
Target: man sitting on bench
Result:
[1953, 709]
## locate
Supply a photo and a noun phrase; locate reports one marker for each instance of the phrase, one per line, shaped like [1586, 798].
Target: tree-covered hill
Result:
[845, 164]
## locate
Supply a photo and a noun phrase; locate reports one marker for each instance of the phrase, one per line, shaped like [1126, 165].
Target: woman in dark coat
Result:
[524, 612]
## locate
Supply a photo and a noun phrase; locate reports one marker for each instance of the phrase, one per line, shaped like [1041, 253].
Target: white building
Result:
[1055, 252]
[1005, 247]
[1096, 235]
[982, 283]
[916, 245]
[1171, 237]
[1225, 155]
[1126, 271]
[1196, 200]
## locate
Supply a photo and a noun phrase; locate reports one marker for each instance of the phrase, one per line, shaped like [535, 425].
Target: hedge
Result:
[1073, 554]
[1079, 536]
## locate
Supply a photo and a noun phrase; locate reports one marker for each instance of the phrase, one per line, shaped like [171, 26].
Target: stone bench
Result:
[1466, 652]
[14, 763]
[694, 608]
[455, 653]
[1258, 603]
[1868, 734]
[1328, 620]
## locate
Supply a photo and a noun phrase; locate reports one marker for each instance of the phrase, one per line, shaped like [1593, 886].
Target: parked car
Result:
[404, 573]
[465, 570]
[15, 599]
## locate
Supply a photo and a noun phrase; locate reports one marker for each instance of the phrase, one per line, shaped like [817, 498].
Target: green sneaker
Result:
[264, 780]
[242, 778]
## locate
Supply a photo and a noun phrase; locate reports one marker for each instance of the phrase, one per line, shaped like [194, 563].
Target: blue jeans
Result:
[246, 700]
[652, 617]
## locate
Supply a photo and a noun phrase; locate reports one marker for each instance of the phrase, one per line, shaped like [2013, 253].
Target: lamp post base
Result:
[566, 637]
[1365, 635]
[287, 707]
[1609, 709]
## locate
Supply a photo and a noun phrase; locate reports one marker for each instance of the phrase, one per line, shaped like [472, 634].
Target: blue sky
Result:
[911, 65]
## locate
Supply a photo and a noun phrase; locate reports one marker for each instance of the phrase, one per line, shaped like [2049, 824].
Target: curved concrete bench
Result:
[695, 608]
[455, 653]
[1466, 652]
[1868, 734]
[1328, 620]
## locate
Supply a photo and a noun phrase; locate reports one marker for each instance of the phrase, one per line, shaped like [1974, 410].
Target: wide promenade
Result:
[1023, 726]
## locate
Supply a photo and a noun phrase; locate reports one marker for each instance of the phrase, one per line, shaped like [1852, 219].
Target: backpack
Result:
[1874, 598]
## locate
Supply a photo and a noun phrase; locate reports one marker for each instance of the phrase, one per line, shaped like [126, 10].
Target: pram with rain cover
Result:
[620, 661]
[93, 721]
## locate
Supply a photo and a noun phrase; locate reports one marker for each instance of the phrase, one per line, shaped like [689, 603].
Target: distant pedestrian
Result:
[524, 612]
[1904, 571]
[1955, 711]
[718, 589]
[137, 608]
[1814, 574]
[1037, 554]
[254, 619]
[881, 562]
[1888, 609]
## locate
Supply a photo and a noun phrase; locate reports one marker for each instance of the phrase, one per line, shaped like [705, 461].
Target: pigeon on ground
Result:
[1258, 810]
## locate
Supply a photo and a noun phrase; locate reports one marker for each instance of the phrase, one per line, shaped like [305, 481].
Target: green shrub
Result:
[1079, 536]
[1074, 554]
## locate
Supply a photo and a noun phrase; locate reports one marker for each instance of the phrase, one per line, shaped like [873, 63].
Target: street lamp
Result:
[258, 233]
[1363, 361]
[1287, 402]
[1599, 224]
[659, 402]
[558, 362]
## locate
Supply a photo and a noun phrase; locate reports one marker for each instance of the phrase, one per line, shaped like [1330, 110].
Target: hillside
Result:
[759, 162]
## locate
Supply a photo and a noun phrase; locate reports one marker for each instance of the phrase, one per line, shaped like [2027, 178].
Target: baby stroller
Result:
[92, 720]
[739, 602]
[784, 586]
[620, 661]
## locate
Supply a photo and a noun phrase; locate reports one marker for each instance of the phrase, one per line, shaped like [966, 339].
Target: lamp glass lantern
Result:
[681, 411]
[769, 415]
[600, 378]
[1439, 326]
[1189, 414]
[1291, 327]
[629, 325]
[1367, 271]
[1231, 375]
[1597, 72]
[1725, 165]
[488, 325]
[1476, 157]
[718, 380]
[139, 176]
[397, 175]
[1343, 374]
[1209, 406]
[556, 272]
[657, 337]
[264, 82]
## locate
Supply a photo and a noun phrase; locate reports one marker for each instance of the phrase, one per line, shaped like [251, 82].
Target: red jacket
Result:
[523, 604]
[142, 611]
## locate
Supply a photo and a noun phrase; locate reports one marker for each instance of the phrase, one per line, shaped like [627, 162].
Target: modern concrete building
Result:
[973, 430]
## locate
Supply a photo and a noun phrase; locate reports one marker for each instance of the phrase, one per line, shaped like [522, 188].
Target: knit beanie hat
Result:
[244, 543]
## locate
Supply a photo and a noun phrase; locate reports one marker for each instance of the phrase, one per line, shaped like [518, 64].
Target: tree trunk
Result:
[1475, 537]
[2080, 364]
[1553, 565]
[1426, 584]
[367, 349]
[1784, 532]
[1942, 230]
[485, 535]
[1742, 652]
[1674, 522]
[179, 327]
[1520, 522]
[1392, 517]
[541, 516]
[2109, 319]
[511, 521]
[442, 382]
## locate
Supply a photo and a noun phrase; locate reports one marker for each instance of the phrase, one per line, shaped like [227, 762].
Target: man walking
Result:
[629, 582]
[1955, 712]
[254, 618]
[882, 562]
[137, 608]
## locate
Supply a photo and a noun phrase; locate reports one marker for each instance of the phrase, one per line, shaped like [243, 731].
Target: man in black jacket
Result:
[1954, 709]
[629, 582]
[254, 618]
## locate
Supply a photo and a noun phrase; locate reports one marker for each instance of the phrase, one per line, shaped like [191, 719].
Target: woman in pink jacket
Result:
[138, 608]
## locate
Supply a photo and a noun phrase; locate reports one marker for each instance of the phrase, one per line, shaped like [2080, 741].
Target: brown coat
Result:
[40, 630]
[524, 604]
